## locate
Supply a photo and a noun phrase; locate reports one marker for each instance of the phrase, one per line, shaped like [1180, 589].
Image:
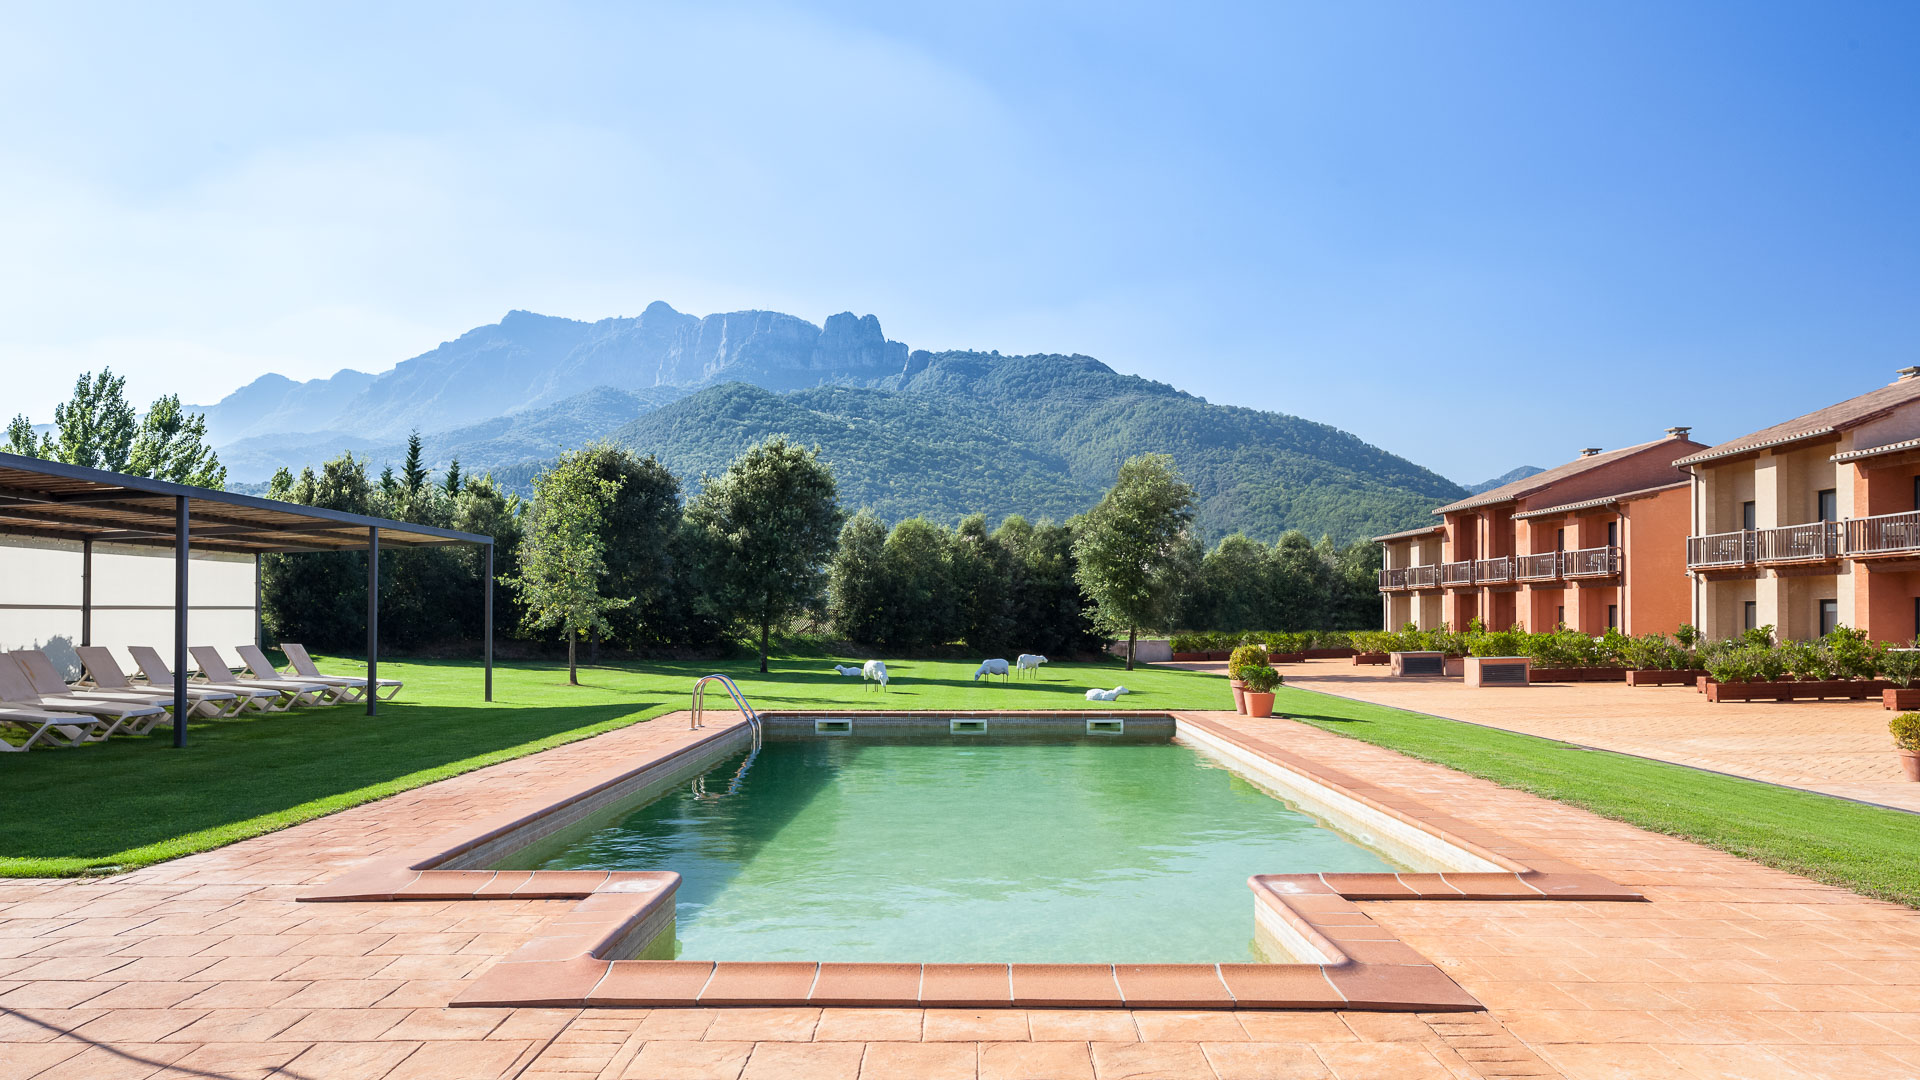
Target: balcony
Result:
[1456, 573]
[1493, 571]
[1591, 562]
[1542, 567]
[1720, 551]
[1812, 542]
[1423, 577]
[1884, 534]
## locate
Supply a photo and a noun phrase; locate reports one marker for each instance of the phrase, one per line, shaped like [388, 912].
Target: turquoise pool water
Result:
[1025, 849]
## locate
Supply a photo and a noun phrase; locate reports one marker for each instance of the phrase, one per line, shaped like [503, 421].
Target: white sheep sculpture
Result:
[875, 673]
[1030, 662]
[991, 667]
[847, 670]
[1098, 694]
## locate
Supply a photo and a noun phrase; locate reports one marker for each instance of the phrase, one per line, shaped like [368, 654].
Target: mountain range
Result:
[907, 431]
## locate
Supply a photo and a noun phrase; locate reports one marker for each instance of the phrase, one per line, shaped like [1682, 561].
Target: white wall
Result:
[132, 597]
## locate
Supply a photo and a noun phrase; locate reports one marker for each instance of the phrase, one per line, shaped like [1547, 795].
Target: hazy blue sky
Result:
[1477, 234]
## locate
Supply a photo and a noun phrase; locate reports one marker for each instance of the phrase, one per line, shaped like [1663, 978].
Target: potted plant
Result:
[1245, 656]
[1906, 735]
[1260, 681]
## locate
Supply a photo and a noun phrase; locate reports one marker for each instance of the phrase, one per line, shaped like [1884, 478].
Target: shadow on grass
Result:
[98, 800]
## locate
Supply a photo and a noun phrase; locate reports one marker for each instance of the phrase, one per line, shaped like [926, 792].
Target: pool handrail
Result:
[699, 786]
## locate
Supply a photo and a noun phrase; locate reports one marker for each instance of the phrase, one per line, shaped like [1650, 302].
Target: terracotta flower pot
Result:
[1259, 704]
[1909, 764]
[1239, 695]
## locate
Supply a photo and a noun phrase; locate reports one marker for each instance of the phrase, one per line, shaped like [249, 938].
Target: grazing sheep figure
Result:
[1106, 695]
[991, 667]
[846, 669]
[1030, 662]
[875, 672]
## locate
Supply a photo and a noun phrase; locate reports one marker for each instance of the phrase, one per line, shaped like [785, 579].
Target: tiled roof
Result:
[1625, 496]
[1875, 451]
[1833, 418]
[1409, 534]
[1528, 485]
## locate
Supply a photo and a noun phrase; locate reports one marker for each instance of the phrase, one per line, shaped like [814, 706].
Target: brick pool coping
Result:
[572, 965]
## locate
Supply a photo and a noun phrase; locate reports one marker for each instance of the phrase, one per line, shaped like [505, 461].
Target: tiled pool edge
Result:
[1367, 967]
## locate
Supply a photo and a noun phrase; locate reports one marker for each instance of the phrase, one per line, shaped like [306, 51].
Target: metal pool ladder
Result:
[699, 785]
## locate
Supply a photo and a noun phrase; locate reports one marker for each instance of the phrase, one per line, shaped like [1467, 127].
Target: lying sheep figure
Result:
[1030, 662]
[1107, 695]
[991, 667]
[875, 671]
[846, 669]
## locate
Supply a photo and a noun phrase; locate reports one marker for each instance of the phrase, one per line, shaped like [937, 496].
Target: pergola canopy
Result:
[69, 502]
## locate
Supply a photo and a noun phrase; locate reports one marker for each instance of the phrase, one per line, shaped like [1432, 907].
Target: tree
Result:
[21, 439]
[1049, 611]
[453, 479]
[920, 599]
[413, 472]
[96, 427]
[772, 519]
[640, 524]
[172, 445]
[1136, 546]
[982, 574]
[857, 580]
[563, 554]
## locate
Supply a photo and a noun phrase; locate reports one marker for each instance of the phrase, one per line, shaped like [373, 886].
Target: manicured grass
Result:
[1868, 849]
[131, 802]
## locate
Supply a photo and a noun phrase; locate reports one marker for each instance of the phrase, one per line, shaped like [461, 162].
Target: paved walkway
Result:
[204, 967]
[1837, 747]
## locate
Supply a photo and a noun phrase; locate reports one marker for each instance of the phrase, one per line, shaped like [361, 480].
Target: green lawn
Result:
[131, 802]
[1864, 848]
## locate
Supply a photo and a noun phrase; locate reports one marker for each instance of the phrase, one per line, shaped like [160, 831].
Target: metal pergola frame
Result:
[52, 500]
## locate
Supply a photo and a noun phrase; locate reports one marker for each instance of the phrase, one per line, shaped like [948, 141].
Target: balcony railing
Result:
[1542, 567]
[1719, 551]
[1393, 580]
[1884, 534]
[1591, 562]
[1456, 573]
[1423, 577]
[1493, 571]
[1810, 542]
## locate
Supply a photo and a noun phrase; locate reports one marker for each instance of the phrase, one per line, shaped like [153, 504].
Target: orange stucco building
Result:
[1813, 523]
[1597, 542]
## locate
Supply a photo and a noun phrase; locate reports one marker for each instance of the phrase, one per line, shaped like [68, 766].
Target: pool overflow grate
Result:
[967, 727]
[833, 727]
[1503, 674]
[1106, 727]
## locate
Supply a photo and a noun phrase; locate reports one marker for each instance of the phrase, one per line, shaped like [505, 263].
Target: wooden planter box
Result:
[1797, 690]
[1327, 654]
[1498, 670]
[1369, 658]
[1665, 677]
[1900, 699]
[1190, 657]
[1417, 663]
[1577, 674]
[1285, 657]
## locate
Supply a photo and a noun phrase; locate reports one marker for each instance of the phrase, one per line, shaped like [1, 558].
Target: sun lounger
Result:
[17, 692]
[56, 694]
[299, 692]
[257, 698]
[303, 668]
[106, 674]
[53, 729]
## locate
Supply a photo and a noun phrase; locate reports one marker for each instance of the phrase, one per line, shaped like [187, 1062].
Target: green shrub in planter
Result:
[1806, 660]
[1246, 656]
[1899, 667]
[1512, 642]
[1906, 731]
[1850, 655]
[1260, 679]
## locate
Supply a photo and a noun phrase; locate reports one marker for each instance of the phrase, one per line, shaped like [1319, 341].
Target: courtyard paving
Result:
[1836, 747]
[205, 967]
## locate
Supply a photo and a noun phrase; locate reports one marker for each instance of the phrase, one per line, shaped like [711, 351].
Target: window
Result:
[1750, 615]
[1560, 614]
[1747, 516]
[1829, 616]
[1613, 533]
[1916, 493]
[1829, 507]
[1613, 616]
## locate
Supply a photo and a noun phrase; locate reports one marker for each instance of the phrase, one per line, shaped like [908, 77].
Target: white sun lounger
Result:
[51, 729]
[215, 669]
[303, 668]
[17, 692]
[159, 676]
[106, 674]
[57, 695]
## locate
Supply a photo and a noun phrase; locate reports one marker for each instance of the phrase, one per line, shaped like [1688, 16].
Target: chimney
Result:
[1590, 451]
[1678, 432]
[1906, 373]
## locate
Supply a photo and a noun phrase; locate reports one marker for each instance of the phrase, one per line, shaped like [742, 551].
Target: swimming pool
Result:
[913, 844]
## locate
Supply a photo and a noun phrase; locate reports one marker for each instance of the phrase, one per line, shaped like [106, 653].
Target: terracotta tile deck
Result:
[206, 967]
[1836, 747]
